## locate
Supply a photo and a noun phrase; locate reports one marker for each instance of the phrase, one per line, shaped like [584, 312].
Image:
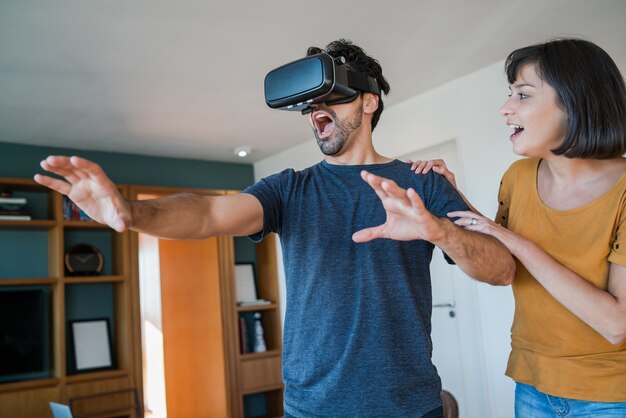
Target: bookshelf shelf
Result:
[95, 279]
[29, 384]
[255, 356]
[87, 377]
[32, 224]
[270, 307]
[84, 224]
[28, 281]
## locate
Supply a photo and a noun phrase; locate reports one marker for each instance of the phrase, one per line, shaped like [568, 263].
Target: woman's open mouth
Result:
[324, 123]
[516, 130]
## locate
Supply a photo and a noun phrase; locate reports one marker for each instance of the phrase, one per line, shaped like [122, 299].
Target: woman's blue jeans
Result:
[530, 403]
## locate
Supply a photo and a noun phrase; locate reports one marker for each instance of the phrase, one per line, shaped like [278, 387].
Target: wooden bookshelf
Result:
[114, 294]
[50, 235]
[260, 374]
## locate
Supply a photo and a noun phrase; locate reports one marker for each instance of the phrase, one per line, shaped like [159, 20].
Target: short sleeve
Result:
[441, 196]
[504, 200]
[444, 198]
[269, 192]
[618, 246]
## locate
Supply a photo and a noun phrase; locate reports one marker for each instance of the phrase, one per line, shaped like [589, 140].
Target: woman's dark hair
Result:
[590, 89]
[358, 60]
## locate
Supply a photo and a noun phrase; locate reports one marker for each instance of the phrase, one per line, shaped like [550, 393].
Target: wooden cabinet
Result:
[260, 384]
[32, 262]
[204, 367]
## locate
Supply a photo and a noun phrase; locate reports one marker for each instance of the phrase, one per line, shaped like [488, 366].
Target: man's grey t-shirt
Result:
[357, 326]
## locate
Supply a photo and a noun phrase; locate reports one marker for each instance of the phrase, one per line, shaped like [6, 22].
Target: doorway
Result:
[183, 337]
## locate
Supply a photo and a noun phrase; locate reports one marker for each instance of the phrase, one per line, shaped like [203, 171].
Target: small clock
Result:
[83, 260]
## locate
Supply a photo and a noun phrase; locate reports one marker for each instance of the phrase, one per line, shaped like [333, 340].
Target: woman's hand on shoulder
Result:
[438, 166]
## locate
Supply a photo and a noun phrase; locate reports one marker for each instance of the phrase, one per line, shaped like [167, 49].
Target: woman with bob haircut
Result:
[562, 214]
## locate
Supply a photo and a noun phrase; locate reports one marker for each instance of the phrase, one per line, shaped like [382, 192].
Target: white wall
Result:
[467, 110]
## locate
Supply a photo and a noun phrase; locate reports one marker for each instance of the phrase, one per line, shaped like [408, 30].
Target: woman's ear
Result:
[370, 102]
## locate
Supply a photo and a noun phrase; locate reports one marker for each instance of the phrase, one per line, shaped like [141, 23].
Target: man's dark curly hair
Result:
[357, 60]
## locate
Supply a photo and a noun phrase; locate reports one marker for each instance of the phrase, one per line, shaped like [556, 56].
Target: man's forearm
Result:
[479, 255]
[197, 216]
[178, 216]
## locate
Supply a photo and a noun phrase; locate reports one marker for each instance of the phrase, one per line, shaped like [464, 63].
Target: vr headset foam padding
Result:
[315, 79]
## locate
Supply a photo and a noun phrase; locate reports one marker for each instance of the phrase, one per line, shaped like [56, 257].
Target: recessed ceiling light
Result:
[243, 151]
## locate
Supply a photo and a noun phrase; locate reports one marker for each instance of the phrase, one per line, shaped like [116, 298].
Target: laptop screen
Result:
[60, 411]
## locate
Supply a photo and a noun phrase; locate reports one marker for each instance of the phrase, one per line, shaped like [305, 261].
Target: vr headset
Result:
[317, 78]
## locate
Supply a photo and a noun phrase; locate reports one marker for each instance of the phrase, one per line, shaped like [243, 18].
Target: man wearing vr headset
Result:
[357, 326]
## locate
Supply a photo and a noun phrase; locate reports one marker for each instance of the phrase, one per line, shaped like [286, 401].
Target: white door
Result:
[455, 328]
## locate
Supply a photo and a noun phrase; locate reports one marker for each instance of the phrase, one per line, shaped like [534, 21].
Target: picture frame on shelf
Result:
[245, 281]
[90, 345]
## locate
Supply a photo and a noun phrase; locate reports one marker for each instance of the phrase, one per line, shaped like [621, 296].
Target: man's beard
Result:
[341, 134]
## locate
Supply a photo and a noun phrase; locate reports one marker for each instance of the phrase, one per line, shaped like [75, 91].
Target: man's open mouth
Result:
[324, 123]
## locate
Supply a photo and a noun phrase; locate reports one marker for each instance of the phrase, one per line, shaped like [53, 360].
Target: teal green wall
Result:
[23, 161]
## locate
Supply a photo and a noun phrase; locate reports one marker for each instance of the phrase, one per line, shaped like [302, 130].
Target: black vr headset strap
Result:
[363, 82]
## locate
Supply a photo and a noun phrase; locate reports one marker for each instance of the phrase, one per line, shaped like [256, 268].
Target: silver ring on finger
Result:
[474, 221]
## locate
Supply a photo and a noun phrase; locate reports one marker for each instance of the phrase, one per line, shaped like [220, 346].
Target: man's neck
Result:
[344, 160]
[358, 152]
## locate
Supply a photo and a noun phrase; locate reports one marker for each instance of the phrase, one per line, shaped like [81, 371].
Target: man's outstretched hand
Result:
[87, 185]
[407, 217]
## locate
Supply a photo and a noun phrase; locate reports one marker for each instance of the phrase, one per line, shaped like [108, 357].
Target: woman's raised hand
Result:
[438, 166]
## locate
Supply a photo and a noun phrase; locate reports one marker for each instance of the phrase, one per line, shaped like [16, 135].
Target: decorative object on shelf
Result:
[259, 339]
[83, 260]
[71, 212]
[13, 208]
[245, 279]
[244, 347]
[91, 345]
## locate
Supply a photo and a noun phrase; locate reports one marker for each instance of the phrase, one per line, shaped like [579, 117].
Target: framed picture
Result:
[245, 279]
[90, 345]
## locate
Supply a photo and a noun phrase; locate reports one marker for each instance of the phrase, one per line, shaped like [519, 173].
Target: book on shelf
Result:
[244, 347]
[12, 200]
[11, 208]
[15, 217]
[71, 212]
[257, 302]
[10, 212]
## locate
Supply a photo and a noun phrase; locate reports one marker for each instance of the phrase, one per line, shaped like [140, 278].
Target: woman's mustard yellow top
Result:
[552, 349]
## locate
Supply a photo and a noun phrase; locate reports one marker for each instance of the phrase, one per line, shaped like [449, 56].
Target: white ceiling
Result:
[185, 78]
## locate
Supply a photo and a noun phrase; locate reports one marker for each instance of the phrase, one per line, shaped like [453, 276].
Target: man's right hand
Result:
[88, 186]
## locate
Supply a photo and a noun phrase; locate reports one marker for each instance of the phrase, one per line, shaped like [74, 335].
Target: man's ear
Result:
[370, 102]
